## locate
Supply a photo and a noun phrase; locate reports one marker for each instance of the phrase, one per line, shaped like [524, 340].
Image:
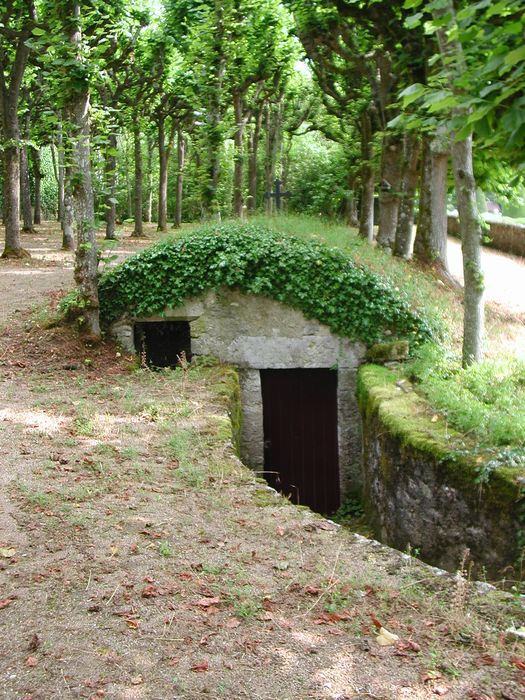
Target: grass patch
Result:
[485, 400]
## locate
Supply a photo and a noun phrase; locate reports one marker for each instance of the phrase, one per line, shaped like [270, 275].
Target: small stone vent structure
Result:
[255, 333]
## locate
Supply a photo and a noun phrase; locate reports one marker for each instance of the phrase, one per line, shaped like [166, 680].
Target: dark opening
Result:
[162, 342]
[301, 456]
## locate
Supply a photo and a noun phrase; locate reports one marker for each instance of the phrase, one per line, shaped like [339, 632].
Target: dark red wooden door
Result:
[300, 435]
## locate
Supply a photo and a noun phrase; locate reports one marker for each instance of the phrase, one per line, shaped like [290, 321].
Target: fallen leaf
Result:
[207, 602]
[5, 602]
[518, 663]
[150, 591]
[7, 552]
[31, 661]
[232, 623]
[137, 680]
[386, 638]
[330, 618]
[376, 622]
[200, 668]
[485, 660]
[408, 645]
[312, 590]
[431, 676]
[34, 643]
[440, 690]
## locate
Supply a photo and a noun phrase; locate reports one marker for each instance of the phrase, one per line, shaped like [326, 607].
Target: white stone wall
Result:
[252, 333]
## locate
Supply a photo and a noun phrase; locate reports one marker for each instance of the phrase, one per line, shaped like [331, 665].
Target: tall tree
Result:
[18, 20]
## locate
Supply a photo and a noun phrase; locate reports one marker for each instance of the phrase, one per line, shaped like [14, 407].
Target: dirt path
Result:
[26, 284]
[504, 276]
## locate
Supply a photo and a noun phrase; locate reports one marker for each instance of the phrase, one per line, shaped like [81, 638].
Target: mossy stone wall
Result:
[418, 495]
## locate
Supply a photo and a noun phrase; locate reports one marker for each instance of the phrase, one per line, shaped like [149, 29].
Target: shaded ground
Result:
[139, 559]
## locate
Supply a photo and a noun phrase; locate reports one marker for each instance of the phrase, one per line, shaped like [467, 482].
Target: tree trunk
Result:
[405, 221]
[351, 215]
[37, 175]
[12, 248]
[25, 191]
[61, 171]
[238, 157]
[9, 97]
[253, 147]
[273, 128]
[391, 158]
[453, 60]
[430, 245]
[138, 231]
[181, 153]
[163, 179]
[86, 253]
[68, 240]
[149, 192]
[129, 195]
[110, 172]
[366, 214]
[471, 234]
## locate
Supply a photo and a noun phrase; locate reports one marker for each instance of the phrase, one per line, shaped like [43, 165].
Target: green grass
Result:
[485, 400]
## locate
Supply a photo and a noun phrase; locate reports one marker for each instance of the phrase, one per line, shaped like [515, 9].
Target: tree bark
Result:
[453, 60]
[164, 158]
[351, 214]
[366, 214]
[110, 172]
[138, 231]
[37, 175]
[25, 186]
[9, 98]
[430, 245]
[181, 154]
[149, 189]
[253, 147]
[86, 261]
[129, 195]
[61, 170]
[238, 158]
[273, 129]
[68, 240]
[405, 221]
[471, 234]
[391, 158]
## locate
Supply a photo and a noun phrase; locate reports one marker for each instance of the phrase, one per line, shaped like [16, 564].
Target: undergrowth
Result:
[485, 400]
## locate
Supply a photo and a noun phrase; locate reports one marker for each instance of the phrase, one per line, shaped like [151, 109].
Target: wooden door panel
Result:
[300, 434]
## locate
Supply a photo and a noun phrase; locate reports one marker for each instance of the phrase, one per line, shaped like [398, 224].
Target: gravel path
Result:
[504, 276]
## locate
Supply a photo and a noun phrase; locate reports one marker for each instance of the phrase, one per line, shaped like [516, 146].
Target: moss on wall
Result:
[420, 491]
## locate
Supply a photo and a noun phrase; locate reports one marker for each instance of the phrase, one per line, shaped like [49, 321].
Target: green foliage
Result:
[485, 400]
[318, 176]
[323, 283]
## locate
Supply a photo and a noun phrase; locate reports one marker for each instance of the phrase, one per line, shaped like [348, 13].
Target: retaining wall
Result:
[419, 495]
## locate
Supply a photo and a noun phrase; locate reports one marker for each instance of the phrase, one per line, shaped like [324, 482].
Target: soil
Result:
[140, 560]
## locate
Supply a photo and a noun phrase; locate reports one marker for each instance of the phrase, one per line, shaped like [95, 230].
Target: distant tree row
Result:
[199, 108]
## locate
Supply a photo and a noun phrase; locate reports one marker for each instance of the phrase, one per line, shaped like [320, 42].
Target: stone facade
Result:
[253, 333]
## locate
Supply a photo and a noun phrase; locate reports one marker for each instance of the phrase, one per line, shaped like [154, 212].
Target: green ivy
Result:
[322, 282]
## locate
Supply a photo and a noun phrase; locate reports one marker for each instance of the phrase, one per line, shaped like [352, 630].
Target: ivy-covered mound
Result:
[322, 282]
